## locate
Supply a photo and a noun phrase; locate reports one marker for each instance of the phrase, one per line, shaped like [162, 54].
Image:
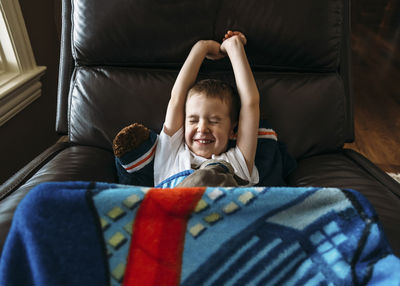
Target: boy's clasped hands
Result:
[216, 51]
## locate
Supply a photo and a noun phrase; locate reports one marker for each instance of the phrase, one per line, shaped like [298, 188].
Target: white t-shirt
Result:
[173, 156]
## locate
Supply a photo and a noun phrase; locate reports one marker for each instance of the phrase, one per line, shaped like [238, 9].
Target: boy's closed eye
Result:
[214, 120]
[195, 119]
[192, 119]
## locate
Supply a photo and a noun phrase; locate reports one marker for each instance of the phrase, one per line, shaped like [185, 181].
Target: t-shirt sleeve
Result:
[236, 159]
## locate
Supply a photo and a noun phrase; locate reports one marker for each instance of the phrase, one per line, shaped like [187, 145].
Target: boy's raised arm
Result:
[249, 115]
[174, 118]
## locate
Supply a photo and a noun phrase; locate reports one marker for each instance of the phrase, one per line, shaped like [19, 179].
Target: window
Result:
[19, 75]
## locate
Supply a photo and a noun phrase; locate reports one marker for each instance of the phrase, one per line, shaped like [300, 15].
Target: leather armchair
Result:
[119, 60]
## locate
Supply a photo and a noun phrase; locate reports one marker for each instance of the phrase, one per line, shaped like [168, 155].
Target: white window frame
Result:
[19, 75]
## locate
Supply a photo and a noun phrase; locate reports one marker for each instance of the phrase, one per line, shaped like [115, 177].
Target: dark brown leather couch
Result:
[119, 60]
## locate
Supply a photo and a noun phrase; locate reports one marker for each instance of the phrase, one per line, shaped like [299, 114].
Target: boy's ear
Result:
[233, 132]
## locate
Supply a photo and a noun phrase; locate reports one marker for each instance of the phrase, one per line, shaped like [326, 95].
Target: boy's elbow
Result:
[252, 100]
[252, 106]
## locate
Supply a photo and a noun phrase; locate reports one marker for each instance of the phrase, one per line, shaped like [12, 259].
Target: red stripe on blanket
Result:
[155, 256]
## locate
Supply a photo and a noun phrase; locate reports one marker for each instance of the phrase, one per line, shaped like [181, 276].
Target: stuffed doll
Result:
[213, 173]
[134, 148]
[135, 145]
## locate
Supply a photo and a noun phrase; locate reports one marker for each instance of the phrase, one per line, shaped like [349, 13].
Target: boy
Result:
[199, 123]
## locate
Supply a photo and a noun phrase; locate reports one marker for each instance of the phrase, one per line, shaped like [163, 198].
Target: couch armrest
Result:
[23, 175]
[61, 162]
[374, 171]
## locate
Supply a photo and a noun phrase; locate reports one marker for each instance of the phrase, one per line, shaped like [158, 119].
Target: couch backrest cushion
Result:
[288, 34]
[127, 55]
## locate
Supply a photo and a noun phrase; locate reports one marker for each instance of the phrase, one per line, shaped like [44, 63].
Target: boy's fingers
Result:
[227, 37]
[230, 34]
[238, 33]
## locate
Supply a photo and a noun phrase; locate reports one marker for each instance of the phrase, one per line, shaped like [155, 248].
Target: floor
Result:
[376, 81]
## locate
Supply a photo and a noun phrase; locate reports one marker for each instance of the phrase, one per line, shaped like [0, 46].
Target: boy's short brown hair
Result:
[215, 88]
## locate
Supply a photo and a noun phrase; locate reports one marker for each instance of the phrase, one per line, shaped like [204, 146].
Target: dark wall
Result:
[33, 129]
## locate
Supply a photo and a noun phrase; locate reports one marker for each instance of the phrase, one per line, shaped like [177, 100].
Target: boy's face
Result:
[208, 126]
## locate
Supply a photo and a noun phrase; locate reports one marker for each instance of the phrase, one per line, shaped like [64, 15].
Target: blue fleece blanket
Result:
[81, 233]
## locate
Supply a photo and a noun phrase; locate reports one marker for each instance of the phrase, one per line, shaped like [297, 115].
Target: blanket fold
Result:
[82, 233]
[54, 239]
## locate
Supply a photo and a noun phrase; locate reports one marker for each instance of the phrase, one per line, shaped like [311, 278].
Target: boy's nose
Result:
[202, 126]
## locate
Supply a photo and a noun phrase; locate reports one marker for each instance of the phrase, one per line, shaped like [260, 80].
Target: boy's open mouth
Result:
[203, 141]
